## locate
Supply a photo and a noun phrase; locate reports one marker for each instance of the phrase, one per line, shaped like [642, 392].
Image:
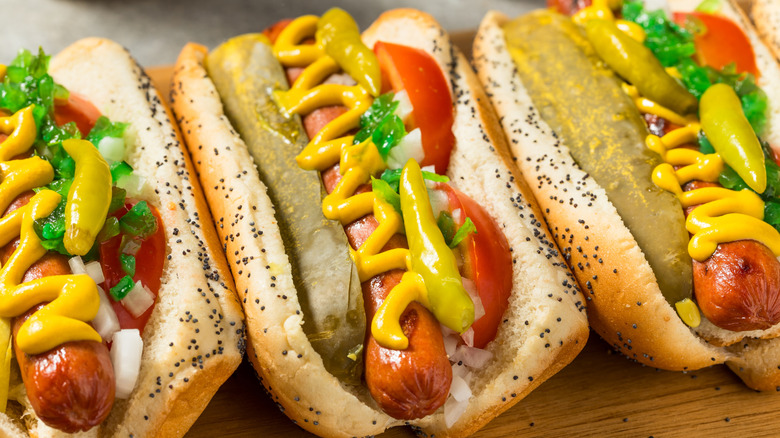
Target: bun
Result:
[286, 363]
[625, 304]
[194, 339]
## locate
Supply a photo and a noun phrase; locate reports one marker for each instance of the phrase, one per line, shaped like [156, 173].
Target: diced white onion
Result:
[112, 148]
[459, 389]
[126, 352]
[461, 371]
[456, 215]
[404, 107]
[654, 5]
[451, 344]
[77, 265]
[138, 300]
[95, 271]
[453, 410]
[106, 322]
[472, 357]
[429, 168]
[134, 184]
[471, 288]
[439, 201]
[340, 79]
[468, 337]
[131, 247]
[409, 147]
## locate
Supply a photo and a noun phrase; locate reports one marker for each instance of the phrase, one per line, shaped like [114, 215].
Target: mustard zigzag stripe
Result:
[72, 298]
[357, 164]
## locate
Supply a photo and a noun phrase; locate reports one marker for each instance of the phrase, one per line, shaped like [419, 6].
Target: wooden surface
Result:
[600, 394]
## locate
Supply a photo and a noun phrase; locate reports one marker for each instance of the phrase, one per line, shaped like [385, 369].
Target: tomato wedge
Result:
[149, 261]
[568, 7]
[79, 110]
[723, 43]
[487, 262]
[273, 31]
[413, 70]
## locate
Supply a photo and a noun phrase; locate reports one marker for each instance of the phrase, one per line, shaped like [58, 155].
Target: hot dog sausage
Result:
[72, 386]
[409, 383]
[738, 287]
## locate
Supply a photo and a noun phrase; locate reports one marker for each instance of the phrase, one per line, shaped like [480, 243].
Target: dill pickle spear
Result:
[582, 101]
[245, 73]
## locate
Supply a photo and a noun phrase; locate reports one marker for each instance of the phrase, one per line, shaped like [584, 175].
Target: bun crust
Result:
[766, 15]
[287, 365]
[625, 304]
[194, 340]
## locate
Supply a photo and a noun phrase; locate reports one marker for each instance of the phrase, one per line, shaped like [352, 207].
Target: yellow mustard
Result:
[722, 215]
[73, 299]
[602, 10]
[357, 164]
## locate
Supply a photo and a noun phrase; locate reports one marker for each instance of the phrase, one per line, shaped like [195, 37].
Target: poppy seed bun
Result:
[625, 304]
[766, 15]
[194, 339]
[544, 299]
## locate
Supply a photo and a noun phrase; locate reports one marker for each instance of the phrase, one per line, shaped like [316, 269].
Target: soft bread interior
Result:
[194, 339]
[766, 15]
[625, 305]
[545, 300]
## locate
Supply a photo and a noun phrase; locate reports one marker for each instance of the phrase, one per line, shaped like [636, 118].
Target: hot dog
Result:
[234, 108]
[97, 201]
[659, 295]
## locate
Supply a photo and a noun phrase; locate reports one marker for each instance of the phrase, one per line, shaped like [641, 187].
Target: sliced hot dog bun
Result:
[194, 339]
[625, 304]
[545, 324]
[766, 15]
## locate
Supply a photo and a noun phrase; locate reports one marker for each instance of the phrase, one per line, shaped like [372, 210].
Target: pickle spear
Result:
[582, 101]
[245, 73]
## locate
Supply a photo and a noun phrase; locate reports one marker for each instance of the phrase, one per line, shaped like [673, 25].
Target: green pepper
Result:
[89, 196]
[430, 255]
[340, 37]
[637, 64]
[139, 221]
[121, 289]
[128, 263]
[730, 133]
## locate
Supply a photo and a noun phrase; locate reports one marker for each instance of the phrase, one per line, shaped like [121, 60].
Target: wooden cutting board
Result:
[600, 394]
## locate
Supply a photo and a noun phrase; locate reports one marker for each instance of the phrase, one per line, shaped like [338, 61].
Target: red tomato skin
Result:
[723, 43]
[77, 109]
[413, 70]
[273, 31]
[568, 7]
[488, 263]
[149, 260]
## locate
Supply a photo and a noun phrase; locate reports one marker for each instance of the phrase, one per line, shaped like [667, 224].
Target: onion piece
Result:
[126, 352]
[472, 357]
[453, 410]
[409, 147]
[77, 265]
[459, 389]
[439, 202]
[112, 149]
[654, 5]
[106, 322]
[134, 184]
[138, 300]
[451, 343]
[456, 215]
[471, 288]
[95, 271]
[404, 107]
[468, 337]
[131, 247]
